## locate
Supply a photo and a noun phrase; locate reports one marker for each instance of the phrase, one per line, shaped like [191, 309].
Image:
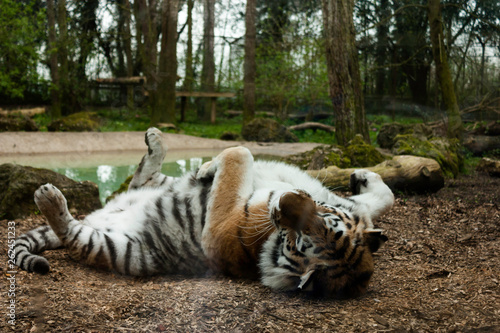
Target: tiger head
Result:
[318, 248]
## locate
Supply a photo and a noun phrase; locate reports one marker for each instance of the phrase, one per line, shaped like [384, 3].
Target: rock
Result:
[489, 166]
[229, 136]
[267, 130]
[443, 150]
[19, 183]
[76, 122]
[358, 153]
[388, 132]
[17, 122]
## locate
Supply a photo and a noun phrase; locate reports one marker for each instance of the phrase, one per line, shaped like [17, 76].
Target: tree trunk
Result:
[55, 94]
[343, 70]
[127, 45]
[208, 70]
[381, 47]
[139, 51]
[86, 11]
[250, 66]
[164, 110]
[62, 50]
[402, 173]
[455, 127]
[189, 76]
[360, 123]
[147, 17]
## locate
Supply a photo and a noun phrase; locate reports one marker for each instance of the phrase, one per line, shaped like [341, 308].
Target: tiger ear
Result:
[374, 239]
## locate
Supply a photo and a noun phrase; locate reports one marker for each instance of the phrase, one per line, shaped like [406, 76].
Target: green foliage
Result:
[116, 120]
[310, 135]
[21, 35]
[291, 71]
[209, 130]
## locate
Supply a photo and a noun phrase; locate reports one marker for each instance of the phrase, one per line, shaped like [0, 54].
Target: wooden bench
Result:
[212, 95]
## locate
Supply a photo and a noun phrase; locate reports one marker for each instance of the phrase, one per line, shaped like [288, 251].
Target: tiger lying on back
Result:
[234, 216]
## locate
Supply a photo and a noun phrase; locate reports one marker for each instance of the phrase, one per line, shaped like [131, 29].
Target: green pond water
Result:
[109, 177]
[109, 170]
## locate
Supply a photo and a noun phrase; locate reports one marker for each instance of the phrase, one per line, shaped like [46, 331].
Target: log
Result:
[234, 113]
[489, 166]
[123, 80]
[404, 173]
[312, 125]
[479, 144]
[25, 112]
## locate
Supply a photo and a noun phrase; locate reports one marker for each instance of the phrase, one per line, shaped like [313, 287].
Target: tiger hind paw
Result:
[53, 205]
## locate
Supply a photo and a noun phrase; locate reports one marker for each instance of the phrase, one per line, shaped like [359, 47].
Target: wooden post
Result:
[212, 109]
[183, 108]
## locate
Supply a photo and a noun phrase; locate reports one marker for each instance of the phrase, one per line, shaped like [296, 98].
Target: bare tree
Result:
[250, 66]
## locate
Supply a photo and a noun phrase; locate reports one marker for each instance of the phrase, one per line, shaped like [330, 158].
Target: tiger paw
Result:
[362, 181]
[207, 170]
[53, 205]
[154, 141]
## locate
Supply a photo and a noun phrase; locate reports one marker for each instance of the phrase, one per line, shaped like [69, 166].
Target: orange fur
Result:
[229, 243]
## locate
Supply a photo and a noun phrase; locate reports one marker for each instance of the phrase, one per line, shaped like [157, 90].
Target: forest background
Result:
[315, 58]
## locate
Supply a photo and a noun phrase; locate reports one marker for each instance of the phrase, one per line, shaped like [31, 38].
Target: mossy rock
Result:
[267, 130]
[319, 158]
[357, 154]
[123, 188]
[17, 122]
[386, 137]
[362, 154]
[444, 151]
[76, 122]
[19, 183]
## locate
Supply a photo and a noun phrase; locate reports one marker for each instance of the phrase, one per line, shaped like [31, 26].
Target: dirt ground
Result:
[439, 272]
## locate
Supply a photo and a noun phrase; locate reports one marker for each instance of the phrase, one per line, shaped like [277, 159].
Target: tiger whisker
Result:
[251, 235]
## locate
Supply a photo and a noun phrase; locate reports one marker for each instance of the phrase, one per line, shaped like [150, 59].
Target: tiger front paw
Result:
[363, 181]
[207, 170]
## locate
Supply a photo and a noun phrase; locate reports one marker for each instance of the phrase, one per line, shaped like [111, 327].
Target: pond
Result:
[109, 170]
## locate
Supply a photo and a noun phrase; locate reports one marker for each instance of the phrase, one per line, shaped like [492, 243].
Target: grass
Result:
[117, 120]
[122, 119]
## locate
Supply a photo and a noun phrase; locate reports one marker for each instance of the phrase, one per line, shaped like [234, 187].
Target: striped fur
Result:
[258, 219]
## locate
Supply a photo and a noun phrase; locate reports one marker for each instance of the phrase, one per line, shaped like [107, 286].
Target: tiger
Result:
[234, 216]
